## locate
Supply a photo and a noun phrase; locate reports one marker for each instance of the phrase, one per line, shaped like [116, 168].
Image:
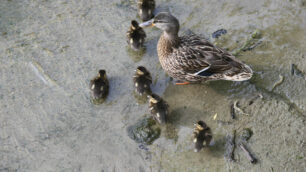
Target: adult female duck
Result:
[191, 58]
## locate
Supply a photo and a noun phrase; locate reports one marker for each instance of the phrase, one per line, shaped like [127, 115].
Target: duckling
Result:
[135, 36]
[202, 136]
[146, 9]
[191, 58]
[99, 85]
[158, 108]
[142, 80]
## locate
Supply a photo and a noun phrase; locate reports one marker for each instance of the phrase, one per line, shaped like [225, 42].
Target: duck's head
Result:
[145, 9]
[141, 70]
[153, 98]
[102, 74]
[164, 21]
[134, 24]
[200, 125]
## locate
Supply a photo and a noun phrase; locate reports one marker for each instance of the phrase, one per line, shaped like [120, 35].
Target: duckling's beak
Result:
[147, 23]
[139, 72]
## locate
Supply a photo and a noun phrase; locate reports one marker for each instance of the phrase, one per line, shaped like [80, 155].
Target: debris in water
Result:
[40, 73]
[246, 134]
[236, 108]
[296, 71]
[251, 43]
[281, 79]
[218, 33]
[230, 147]
[215, 116]
[248, 154]
[255, 97]
[143, 147]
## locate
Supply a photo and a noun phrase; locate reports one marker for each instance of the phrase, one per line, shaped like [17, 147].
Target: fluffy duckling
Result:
[142, 80]
[202, 136]
[146, 9]
[158, 108]
[135, 36]
[99, 85]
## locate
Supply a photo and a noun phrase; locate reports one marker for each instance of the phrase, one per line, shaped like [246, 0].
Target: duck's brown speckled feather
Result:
[192, 54]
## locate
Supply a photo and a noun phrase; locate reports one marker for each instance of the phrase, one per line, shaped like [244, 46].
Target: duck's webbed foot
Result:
[181, 83]
[178, 82]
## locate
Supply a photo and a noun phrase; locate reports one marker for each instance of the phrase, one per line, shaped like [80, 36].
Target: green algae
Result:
[250, 44]
[144, 131]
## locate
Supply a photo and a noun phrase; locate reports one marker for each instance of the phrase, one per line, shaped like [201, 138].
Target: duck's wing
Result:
[197, 56]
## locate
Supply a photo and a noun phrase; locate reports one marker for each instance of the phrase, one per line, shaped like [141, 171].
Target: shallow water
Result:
[49, 51]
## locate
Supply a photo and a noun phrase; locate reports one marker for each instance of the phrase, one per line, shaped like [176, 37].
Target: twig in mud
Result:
[230, 147]
[233, 115]
[236, 108]
[248, 154]
[296, 71]
[281, 79]
[252, 46]
[223, 122]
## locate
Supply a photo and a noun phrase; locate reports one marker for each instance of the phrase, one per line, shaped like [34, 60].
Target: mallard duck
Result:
[99, 85]
[135, 36]
[158, 108]
[191, 58]
[142, 80]
[146, 9]
[201, 136]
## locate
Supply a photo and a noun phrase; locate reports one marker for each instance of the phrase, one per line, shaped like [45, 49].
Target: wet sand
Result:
[49, 51]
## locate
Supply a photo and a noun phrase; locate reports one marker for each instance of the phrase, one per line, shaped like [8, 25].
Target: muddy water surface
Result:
[49, 50]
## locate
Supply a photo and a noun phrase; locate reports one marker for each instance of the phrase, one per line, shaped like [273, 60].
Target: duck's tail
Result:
[244, 74]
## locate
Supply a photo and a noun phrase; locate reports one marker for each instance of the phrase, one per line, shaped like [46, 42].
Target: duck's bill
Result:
[147, 23]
